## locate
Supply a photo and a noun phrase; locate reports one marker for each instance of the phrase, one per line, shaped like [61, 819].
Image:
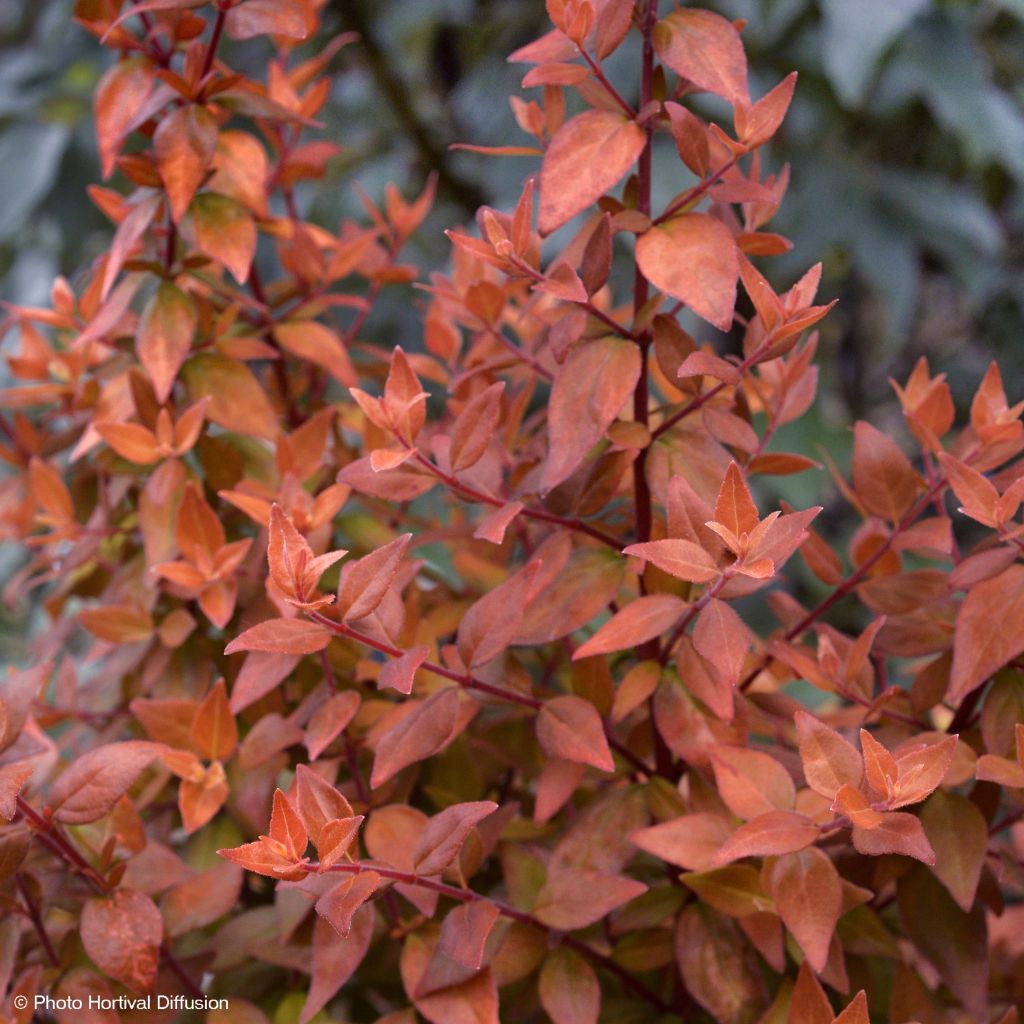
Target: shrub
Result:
[566, 721]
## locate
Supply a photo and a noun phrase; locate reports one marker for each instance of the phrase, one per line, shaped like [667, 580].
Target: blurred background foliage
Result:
[906, 140]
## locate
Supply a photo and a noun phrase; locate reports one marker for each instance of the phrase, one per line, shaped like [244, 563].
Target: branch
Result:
[506, 910]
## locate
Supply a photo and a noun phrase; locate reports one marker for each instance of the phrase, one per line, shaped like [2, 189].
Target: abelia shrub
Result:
[490, 677]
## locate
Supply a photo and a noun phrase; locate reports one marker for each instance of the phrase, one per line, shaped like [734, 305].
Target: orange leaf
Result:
[575, 898]
[120, 94]
[465, 930]
[184, 143]
[706, 49]
[328, 721]
[420, 734]
[569, 990]
[118, 623]
[570, 728]
[982, 643]
[214, 733]
[856, 1012]
[319, 345]
[590, 388]
[641, 620]
[237, 402]
[318, 802]
[225, 231]
[268, 18]
[680, 558]
[693, 258]
[722, 638]
[122, 934]
[809, 1004]
[809, 896]
[164, 336]
[91, 786]
[440, 842]
[365, 582]
[829, 761]
[921, 769]
[282, 636]
[492, 622]
[690, 841]
[883, 478]
[131, 441]
[475, 426]
[588, 155]
[762, 121]
[898, 832]
[287, 828]
[770, 834]
[751, 782]
[337, 906]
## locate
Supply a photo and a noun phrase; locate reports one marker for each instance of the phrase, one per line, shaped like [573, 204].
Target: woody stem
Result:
[469, 896]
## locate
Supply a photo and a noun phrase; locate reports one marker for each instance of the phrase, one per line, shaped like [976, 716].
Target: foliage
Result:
[564, 716]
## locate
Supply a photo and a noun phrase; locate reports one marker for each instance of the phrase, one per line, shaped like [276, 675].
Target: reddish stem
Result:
[506, 910]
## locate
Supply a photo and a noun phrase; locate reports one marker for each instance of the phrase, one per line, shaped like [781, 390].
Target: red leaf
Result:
[335, 959]
[693, 258]
[750, 782]
[225, 231]
[421, 733]
[122, 935]
[570, 728]
[475, 426]
[641, 620]
[589, 390]
[490, 625]
[329, 720]
[366, 581]
[680, 558]
[809, 896]
[338, 906]
[705, 48]
[282, 636]
[569, 990]
[829, 761]
[883, 477]
[267, 18]
[764, 117]
[400, 673]
[898, 833]
[12, 779]
[982, 643]
[735, 508]
[574, 898]
[184, 144]
[445, 833]
[588, 155]
[318, 802]
[770, 834]
[91, 786]
[164, 336]
[465, 930]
